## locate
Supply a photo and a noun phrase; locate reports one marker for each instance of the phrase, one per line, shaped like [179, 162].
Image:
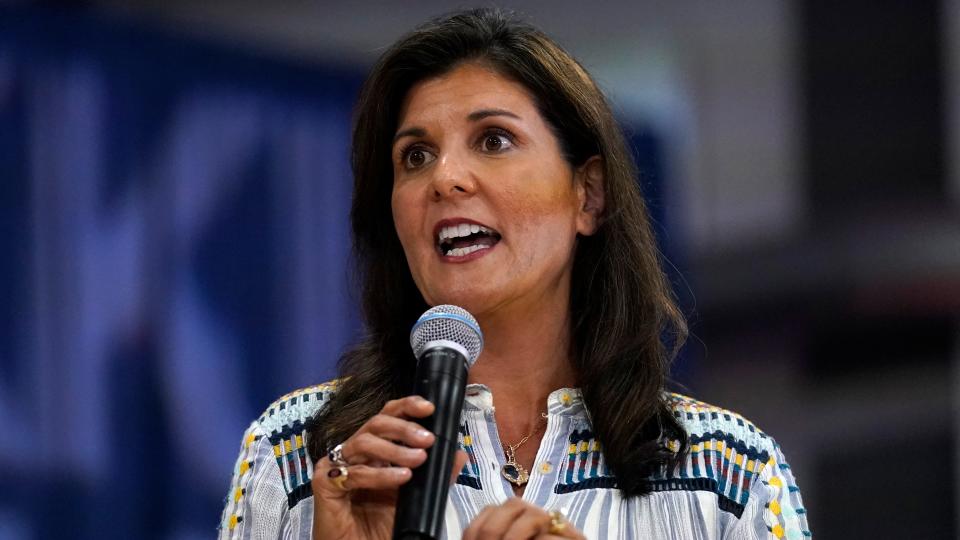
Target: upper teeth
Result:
[461, 230]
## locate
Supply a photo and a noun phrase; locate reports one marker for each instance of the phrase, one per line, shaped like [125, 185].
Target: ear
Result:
[590, 191]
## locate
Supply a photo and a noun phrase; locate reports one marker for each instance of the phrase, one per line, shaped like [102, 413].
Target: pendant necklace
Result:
[511, 470]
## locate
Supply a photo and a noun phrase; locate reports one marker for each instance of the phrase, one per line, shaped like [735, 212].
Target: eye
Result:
[416, 157]
[497, 140]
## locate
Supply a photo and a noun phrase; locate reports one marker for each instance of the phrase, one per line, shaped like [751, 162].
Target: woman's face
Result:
[485, 206]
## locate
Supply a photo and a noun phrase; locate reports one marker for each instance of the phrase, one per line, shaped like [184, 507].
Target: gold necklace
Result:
[511, 470]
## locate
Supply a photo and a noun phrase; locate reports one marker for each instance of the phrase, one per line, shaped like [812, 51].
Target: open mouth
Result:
[465, 238]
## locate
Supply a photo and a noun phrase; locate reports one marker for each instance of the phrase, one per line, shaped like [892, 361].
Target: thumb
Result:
[458, 462]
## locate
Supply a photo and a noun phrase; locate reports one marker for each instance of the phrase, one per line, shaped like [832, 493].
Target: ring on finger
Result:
[557, 522]
[338, 476]
[336, 456]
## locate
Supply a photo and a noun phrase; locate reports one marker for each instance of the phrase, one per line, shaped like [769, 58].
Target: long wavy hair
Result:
[625, 322]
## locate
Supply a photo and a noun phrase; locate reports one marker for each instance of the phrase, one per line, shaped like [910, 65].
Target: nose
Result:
[452, 178]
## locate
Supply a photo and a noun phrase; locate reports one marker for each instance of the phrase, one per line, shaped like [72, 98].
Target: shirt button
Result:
[546, 467]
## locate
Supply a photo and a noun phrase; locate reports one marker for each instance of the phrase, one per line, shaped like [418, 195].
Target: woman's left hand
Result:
[518, 519]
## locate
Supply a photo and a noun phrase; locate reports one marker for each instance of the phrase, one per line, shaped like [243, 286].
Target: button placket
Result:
[547, 465]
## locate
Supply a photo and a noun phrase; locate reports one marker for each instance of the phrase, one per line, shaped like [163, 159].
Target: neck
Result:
[526, 356]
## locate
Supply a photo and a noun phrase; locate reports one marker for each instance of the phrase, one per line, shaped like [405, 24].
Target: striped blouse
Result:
[734, 484]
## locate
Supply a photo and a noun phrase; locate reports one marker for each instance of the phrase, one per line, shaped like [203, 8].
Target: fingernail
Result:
[423, 434]
[402, 471]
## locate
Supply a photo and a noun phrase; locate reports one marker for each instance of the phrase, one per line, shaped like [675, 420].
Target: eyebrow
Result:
[485, 113]
[410, 132]
[475, 116]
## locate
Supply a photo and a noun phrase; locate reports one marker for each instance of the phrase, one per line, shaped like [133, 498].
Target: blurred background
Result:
[174, 191]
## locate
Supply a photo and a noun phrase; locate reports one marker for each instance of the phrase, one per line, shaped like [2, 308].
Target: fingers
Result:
[493, 521]
[553, 530]
[382, 452]
[366, 477]
[411, 406]
[358, 477]
[334, 507]
[516, 519]
[379, 458]
[366, 448]
[397, 429]
[528, 525]
[390, 438]
[473, 532]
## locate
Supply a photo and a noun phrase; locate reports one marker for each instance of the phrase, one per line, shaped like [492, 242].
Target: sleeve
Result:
[256, 506]
[774, 509]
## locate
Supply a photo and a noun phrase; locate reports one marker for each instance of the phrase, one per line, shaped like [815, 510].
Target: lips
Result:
[463, 237]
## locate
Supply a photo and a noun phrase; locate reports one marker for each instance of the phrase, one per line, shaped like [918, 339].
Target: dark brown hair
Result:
[626, 325]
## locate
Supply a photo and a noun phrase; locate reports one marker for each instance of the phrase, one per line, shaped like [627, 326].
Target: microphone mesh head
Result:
[449, 323]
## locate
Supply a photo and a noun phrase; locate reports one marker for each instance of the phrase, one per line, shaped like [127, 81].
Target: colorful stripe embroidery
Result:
[286, 422]
[470, 474]
[784, 513]
[723, 457]
[583, 469]
[233, 514]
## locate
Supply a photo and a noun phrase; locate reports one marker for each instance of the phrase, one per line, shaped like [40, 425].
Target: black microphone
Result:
[446, 341]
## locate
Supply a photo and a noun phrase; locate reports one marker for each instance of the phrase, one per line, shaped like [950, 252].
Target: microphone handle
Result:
[421, 503]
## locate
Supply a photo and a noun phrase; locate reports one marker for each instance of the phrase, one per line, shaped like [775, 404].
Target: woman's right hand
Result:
[380, 457]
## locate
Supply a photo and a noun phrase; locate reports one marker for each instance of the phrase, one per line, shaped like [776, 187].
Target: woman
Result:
[510, 192]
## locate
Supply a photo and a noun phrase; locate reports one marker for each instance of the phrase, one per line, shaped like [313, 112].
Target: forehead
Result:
[462, 90]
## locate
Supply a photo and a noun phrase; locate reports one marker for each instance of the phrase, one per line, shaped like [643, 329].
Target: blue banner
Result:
[174, 255]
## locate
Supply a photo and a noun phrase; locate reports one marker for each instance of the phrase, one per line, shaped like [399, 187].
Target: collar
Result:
[562, 401]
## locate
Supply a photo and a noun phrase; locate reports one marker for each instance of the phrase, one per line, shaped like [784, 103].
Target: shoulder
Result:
[294, 411]
[281, 433]
[705, 423]
[744, 466]
[727, 453]
[272, 473]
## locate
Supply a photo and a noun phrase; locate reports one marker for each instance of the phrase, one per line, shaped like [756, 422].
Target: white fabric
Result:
[700, 500]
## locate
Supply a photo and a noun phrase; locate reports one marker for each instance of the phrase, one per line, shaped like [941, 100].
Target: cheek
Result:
[551, 201]
[402, 216]
[408, 217]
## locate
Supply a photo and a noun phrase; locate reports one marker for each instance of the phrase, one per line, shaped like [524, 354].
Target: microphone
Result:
[446, 341]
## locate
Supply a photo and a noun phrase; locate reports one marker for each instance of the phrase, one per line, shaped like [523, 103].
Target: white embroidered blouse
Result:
[734, 483]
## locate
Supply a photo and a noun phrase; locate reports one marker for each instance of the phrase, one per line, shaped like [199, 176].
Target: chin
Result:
[472, 300]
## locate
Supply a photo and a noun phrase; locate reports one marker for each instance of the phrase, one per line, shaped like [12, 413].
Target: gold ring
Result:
[339, 475]
[557, 522]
